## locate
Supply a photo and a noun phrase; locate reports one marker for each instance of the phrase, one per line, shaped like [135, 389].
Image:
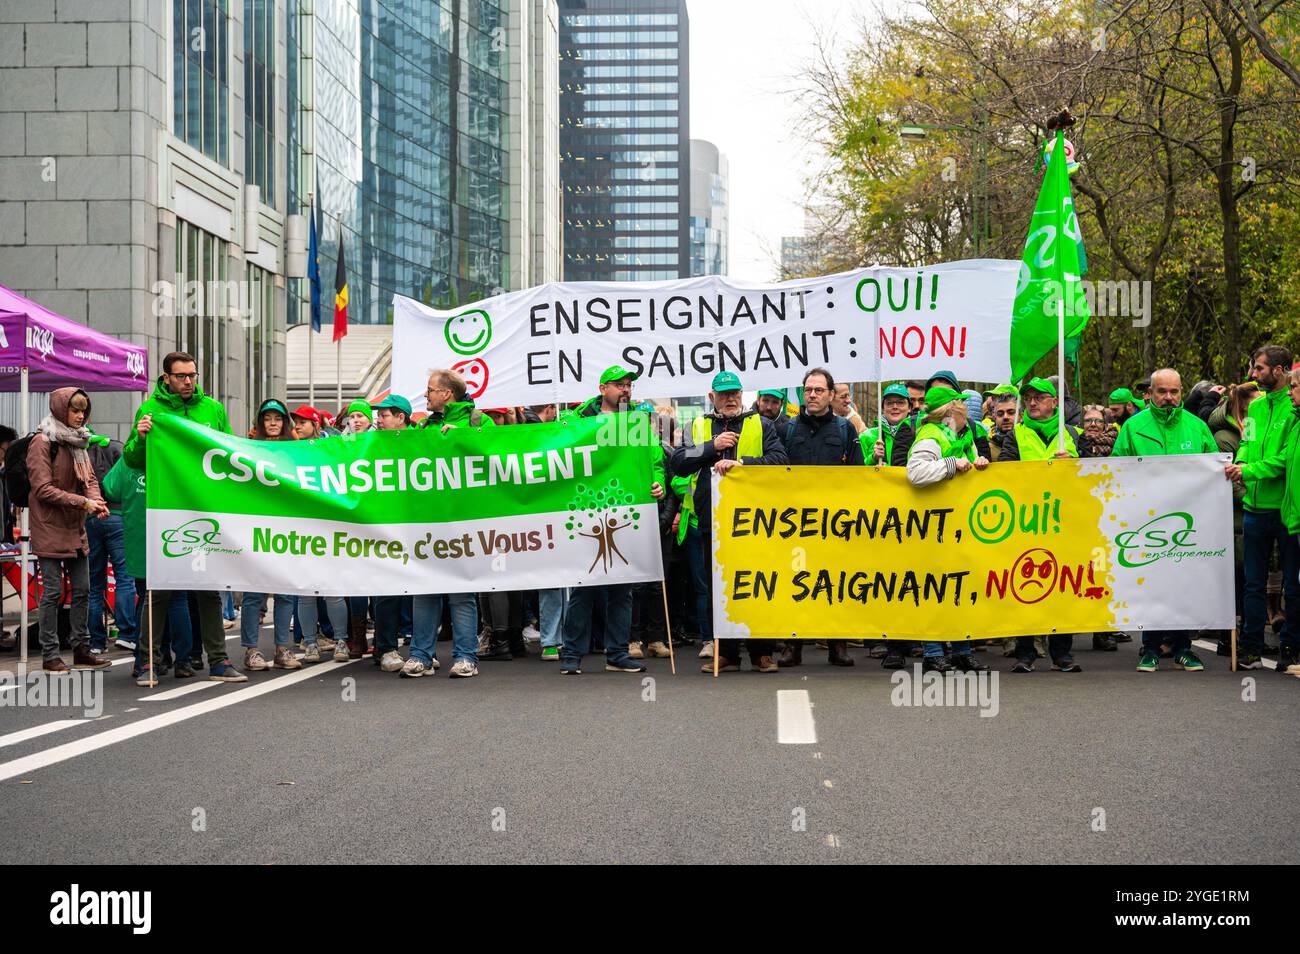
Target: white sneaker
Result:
[254, 661]
[125, 644]
[414, 668]
[463, 669]
[312, 653]
[532, 634]
[706, 649]
[341, 651]
[391, 661]
[635, 651]
[325, 643]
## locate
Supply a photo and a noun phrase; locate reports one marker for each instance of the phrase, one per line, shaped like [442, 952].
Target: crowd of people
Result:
[86, 496]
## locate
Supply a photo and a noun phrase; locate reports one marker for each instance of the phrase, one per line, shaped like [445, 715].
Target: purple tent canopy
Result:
[61, 353]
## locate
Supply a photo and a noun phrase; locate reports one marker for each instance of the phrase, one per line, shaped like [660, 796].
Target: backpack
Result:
[18, 486]
[843, 422]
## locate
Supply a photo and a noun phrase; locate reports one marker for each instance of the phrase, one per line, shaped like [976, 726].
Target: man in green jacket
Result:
[1261, 467]
[178, 393]
[1291, 490]
[1164, 429]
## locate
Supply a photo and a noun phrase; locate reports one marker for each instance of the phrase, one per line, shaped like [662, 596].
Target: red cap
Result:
[496, 410]
[309, 413]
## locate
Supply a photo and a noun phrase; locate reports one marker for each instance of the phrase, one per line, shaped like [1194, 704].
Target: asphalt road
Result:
[522, 764]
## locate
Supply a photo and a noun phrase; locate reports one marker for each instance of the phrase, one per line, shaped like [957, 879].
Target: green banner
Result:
[413, 511]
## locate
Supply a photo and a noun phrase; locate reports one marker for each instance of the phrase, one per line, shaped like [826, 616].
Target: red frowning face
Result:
[1033, 576]
[475, 373]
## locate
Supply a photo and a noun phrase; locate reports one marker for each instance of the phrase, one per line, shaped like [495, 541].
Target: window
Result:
[201, 302]
[199, 55]
[261, 336]
[259, 96]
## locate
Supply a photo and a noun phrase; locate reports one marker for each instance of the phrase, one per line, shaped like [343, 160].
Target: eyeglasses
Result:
[1093, 420]
[185, 377]
[816, 390]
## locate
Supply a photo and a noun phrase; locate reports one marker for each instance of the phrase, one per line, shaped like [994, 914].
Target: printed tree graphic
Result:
[599, 513]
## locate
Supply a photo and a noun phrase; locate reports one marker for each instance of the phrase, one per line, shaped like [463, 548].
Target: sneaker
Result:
[341, 653]
[1121, 637]
[1066, 665]
[325, 643]
[97, 650]
[1149, 662]
[183, 671]
[706, 649]
[228, 624]
[413, 669]
[1223, 648]
[1287, 658]
[128, 644]
[196, 662]
[1009, 647]
[765, 664]
[1103, 642]
[1188, 660]
[724, 665]
[254, 661]
[463, 669]
[532, 634]
[893, 660]
[551, 654]
[434, 664]
[626, 665]
[635, 651]
[312, 653]
[878, 650]
[1023, 665]
[936, 664]
[570, 671]
[391, 661]
[658, 649]
[146, 678]
[1250, 661]
[1293, 669]
[224, 672]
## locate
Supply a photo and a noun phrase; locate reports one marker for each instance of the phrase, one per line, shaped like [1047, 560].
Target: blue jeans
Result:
[106, 545]
[577, 622]
[700, 571]
[228, 605]
[1260, 532]
[551, 607]
[426, 614]
[306, 617]
[176, 626]
[963, 648]
[250, 619]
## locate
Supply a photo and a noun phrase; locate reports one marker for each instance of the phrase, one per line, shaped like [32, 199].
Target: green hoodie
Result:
[1266, 433]
[200, 409]
[123, 486]
[457, 413]
[1163, 432]
[1291, 493]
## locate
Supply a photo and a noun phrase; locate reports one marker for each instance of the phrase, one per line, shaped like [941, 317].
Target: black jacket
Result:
[824, 440]
[689, 459]
[907, 434]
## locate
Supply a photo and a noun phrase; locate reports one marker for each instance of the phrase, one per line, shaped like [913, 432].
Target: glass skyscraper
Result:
[709, 207]
[625, 139]
[398, 122]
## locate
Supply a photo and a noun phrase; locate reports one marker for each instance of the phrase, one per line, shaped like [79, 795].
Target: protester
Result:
[7, 518]
[878, 442]
[907, 430]
[944, 447]
[177, 393]
[725, 438]
[1165, 428]
[1071, 410]
[1261, 467]
[393, 413]
[916, 396]
[770, 404]
[63, 492]
[615, 396]
[1098, 436]
[123, 488]
[819, 436]
[357, 418]
[1006, 403]
[1225, 424]
[1291, 486]
[106, 546]
[842, 406]
[1123, 405]
[307, 423]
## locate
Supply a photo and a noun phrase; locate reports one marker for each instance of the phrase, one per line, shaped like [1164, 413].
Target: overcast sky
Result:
[746, 56]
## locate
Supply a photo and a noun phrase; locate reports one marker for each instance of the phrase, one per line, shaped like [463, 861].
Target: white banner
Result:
[551, 342]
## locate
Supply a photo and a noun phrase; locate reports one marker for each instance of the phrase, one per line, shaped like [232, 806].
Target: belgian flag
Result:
[340, 294]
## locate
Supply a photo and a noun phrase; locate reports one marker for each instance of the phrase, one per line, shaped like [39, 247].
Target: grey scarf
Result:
[76, 439]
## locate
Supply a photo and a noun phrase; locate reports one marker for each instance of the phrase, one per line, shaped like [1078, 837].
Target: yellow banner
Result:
[1022, 548]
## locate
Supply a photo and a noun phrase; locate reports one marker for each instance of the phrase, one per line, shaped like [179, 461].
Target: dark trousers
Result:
[1261, 532]
[577, 622]
[388, 617]
[1179, 640]
[1059, 646]
[211, 630]
[52, 569]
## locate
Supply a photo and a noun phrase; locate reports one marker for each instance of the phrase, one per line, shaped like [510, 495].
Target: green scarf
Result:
[1047, 429]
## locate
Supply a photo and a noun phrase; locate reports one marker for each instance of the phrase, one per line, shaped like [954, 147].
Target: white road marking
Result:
[794, 718]
[69, 750]
[1211, 647]
[35, 732]
[179, 691]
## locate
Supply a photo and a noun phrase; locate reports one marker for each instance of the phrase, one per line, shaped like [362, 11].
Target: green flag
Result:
[1050, 272]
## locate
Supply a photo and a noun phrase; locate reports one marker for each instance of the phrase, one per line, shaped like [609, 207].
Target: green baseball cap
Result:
[896, 390]
[770, 392]
[1124, 396]
[617, 373]
[1040, 384]
[396, 402]
[1002, 389]
[939, 395]
[727, 381]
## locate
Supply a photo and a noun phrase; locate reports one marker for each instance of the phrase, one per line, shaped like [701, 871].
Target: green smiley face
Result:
[992, 517]
[469, 332]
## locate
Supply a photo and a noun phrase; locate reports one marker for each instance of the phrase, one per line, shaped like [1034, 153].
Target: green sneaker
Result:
[1188, 660]
[552, 653]
[1149, 662]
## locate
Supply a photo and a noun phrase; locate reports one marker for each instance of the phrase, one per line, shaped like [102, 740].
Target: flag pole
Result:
[1060, 373]
[311, 376]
